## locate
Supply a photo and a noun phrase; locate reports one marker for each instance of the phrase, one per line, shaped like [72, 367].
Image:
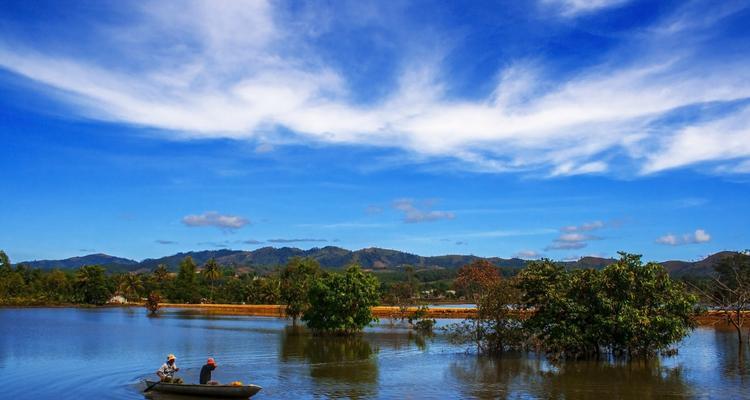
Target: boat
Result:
[214, 391]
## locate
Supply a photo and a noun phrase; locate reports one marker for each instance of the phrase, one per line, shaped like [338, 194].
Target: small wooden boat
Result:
[216, 391]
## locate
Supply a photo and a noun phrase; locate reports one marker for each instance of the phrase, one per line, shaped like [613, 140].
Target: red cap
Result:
[211, 362]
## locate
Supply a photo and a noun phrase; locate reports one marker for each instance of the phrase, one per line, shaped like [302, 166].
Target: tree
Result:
[212, 273]
[161, 273]
[497, 327]
[91, 284]
[131, 286]
[731, 290]
[340, 303]
[627, 308]
[186, 288]
[295, 279]
[473, 279]
[5, 265]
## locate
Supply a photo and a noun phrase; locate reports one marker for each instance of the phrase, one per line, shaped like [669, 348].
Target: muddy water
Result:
[105, 353]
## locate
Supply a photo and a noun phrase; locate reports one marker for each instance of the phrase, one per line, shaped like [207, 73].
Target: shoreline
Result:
[709, 318]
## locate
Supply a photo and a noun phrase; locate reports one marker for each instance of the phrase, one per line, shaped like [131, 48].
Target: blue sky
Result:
[557, 128]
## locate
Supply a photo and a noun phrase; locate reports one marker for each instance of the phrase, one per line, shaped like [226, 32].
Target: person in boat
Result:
[205, 378]
[166, 372]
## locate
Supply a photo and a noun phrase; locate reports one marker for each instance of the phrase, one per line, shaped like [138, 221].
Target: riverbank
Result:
[710, 318]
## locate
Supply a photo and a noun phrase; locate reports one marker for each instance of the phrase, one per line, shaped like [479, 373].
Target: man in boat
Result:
[205, 378]
[166, 372]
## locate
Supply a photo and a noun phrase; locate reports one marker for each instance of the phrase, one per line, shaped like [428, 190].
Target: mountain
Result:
[76, 262]
[703, 267]
[333, 257]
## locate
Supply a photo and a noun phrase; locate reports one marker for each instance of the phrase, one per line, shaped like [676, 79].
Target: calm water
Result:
[104, 353]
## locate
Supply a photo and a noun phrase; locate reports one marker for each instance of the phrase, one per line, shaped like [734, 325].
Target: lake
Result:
[104, 353]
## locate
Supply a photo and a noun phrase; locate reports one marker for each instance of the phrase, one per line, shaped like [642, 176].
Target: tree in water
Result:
[341, 303]
[731, 290]
[627, 308]
[295, 280]
[152, 303]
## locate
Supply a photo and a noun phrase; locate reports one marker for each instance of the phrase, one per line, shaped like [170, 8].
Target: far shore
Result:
[709, 318]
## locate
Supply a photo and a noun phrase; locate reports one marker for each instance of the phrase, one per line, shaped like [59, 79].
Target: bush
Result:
[340, 303]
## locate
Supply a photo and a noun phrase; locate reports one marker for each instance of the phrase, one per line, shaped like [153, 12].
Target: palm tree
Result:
[161, 273]
[130, 285]
[212, 272]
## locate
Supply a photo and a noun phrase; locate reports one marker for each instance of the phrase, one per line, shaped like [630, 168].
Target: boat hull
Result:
[216, 391]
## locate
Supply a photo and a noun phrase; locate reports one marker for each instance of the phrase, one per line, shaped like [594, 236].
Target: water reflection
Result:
[339, 366]
[518, 375]
[734, 359]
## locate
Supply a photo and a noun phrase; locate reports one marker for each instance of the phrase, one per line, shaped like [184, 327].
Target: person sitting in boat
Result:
[205, 378]
[166, 372]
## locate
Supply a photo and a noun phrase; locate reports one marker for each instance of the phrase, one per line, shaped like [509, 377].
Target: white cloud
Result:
[572, 238]
[527, 254]
[699, 236]
[588, 226]
[235, 70]
[724, 139]
[213, 218]
[569, 8]
[413, 214]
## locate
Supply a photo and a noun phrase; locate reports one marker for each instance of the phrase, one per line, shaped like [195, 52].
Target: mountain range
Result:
[333, 257]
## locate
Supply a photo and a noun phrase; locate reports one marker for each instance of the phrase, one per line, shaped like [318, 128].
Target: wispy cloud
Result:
[214, 219]
[699, 236]
[414, 214]
[237, 70]
[164, 242]
[251, 241]
[570, 8]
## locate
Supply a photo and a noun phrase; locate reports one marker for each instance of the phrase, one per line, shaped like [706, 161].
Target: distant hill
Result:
[76, 262]
[336, 258]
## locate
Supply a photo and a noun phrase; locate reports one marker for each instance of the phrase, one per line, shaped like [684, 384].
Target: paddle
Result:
[151, 386]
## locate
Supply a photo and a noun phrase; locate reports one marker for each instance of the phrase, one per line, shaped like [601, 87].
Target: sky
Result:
[549, 128]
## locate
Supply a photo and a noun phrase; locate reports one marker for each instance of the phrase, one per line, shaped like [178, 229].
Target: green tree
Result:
[627, 308]
[131, 285]
[186, 289]
[91, 284]
[212, 273]
[57, 286]
[161, 273]
[340, 303]
[5, 265]
[295, 281]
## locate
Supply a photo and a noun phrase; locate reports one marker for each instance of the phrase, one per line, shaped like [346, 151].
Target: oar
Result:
[151, 386]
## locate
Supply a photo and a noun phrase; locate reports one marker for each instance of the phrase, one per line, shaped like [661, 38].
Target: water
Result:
[105, 353]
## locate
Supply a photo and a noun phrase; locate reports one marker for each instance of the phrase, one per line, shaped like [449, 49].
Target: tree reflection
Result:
[485, 377]
[340, 366]
[734, 359]
[595, 380]
[519, 375]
